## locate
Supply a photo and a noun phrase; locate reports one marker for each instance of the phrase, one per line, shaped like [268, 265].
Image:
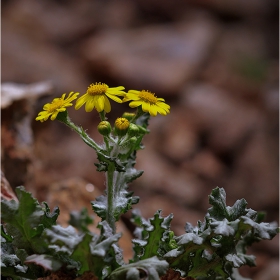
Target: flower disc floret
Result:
[149, 102]
[56, 106]
[97, 95]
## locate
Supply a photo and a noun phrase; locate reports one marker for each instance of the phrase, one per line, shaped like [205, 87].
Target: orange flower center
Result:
[148, 97]
[56, 105]
[97, 89]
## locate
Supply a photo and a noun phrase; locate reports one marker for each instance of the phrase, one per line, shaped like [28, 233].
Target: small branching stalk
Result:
[34, 245]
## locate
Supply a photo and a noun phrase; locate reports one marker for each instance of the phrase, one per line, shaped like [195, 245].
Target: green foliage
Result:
[80, 220]
[25, 221]
[215, 247]
[32, 243]
[153, 236]
[149, 269]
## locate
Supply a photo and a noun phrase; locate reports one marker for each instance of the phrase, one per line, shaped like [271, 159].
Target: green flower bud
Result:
[104, 128]
[142, 130]
[133, 140]
[121, 126]
[128, 116]
[132, 130]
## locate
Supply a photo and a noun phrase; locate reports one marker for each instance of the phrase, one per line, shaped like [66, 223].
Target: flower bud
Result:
[142, 130]
[121, 126]
[133, 140]
[128, 116]
[133, 130]
[104, 128]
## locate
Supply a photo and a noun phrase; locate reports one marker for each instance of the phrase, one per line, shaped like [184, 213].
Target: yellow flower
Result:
[149, 102]
[96, 97]
[57, 105]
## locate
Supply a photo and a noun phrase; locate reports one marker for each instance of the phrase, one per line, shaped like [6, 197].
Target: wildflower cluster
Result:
[34, 246]
[96, 97]
[120, 143]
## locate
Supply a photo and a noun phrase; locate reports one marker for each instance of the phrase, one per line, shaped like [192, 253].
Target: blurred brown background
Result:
[215, 62]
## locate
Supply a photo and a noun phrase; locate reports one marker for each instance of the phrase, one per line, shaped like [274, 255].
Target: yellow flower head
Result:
[149, 102]
[57, 105]
[96, 97]
[121, 126]
[122, 123]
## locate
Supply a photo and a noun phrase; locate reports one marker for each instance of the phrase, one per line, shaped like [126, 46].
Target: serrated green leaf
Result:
[105, 256]
[11, 264]
[239, 259]
[80, 220]
[150, 269]
[62, 239]
[238, 209]
[25, 221]
[82, 254]
[262, 230]
[99, 206]
[46, 261]
[8, 256]
[7, 237]
[152, 241]
[49, 219]
[123, 199]
[225, 227]
[132, 174]
[218, 200]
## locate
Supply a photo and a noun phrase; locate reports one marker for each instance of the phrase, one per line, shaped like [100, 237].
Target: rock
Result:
[256, 170]
[161, 58]
[238, 63]
[28, 60]
[206, 164]
[11, 92]
[179, 134]
[17, 111]
[6, 190]
[226, 120]
[163, 177]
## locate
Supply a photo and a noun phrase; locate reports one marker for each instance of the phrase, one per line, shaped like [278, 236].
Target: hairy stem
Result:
[110, 197]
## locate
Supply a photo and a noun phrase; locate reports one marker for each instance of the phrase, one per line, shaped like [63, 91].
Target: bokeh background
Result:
[215, 62]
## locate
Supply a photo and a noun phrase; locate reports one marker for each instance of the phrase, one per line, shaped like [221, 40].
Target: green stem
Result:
[102, 116]
[106, 141]
[110, 197]
[139, 113]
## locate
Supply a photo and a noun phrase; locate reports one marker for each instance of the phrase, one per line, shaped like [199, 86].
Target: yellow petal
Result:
[134, 104]
[81, 101]
[46, 106]
[107, 105]
[160, 110]
[120, 88]
[54, 115]
[146, 106]
[163, 105]
[89, 105]
[115, 98]
[153, 111]
[99, 103]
